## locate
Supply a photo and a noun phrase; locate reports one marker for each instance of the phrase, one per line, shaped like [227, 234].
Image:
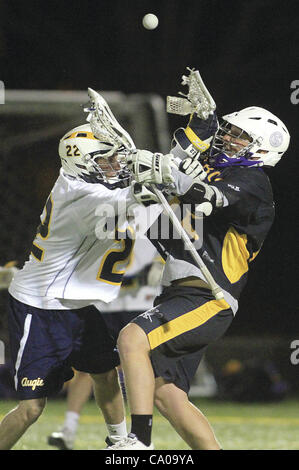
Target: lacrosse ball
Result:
[150, 21]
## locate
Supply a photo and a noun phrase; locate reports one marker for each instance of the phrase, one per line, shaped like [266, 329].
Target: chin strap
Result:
[222, 160]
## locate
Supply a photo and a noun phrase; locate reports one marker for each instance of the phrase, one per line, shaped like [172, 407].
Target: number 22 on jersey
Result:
[43, 230]
[116, 260]
[109, 271]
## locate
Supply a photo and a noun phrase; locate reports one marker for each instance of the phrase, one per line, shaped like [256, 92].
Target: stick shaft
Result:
[216, 290]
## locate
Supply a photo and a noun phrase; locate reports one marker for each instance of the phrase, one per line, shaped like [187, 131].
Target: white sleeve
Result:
[99, 202]
[182, 183]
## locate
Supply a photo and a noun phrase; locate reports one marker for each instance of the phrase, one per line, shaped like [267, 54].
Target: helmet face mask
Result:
[265, 139]
[84, 156]
[232, 146]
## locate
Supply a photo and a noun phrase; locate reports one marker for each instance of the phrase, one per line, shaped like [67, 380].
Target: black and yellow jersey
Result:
[230, 238]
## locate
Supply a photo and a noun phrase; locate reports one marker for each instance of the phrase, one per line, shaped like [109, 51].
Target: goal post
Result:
[144, 114]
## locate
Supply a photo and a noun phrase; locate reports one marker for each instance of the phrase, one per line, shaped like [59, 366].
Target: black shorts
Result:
[46, 345]
[180, 326]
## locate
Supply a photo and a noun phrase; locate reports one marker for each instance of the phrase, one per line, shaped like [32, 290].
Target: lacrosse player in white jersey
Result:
[140, 286]
[74, 263]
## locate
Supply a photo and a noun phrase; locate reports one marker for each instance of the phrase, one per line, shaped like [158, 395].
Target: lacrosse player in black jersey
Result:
[218, 175]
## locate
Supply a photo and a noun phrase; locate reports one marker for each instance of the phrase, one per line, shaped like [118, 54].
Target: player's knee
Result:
[132, 339]
[161, 402]
[30, 410]
[105, 378]
[168, 397]
[160, 405]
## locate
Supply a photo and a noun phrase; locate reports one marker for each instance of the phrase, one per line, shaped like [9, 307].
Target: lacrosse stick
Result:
[216, 290]
[105, 125]
[198, 99]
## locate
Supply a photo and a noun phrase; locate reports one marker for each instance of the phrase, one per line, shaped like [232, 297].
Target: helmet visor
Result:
[110, 168]
[231, 140]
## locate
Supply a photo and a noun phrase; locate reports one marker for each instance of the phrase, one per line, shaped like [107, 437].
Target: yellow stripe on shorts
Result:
[186, 322]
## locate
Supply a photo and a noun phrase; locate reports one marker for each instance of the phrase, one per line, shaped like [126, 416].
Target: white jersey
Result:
[141, 298]
[139, 301]
[143, 255]
[69, 262]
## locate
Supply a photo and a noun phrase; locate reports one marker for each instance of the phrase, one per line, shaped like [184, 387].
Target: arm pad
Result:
[196, 138]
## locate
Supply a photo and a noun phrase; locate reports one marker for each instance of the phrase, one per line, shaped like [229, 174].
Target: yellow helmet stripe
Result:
[82, 135]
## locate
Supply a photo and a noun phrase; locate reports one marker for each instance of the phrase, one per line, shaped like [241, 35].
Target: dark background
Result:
[247, 54]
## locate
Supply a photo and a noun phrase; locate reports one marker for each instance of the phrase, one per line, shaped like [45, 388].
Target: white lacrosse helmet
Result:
[267, 133]
[79, 149]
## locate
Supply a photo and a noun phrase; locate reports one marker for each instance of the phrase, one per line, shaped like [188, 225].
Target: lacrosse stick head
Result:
[104, 125]
[198, 99]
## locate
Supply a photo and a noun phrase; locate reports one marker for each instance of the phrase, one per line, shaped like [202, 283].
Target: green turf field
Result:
[237, 426]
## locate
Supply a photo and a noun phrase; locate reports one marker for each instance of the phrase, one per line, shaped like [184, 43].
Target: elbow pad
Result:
[188, 144]
[196, 138]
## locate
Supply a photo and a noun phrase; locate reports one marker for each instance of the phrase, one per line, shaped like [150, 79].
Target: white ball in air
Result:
[150, 21]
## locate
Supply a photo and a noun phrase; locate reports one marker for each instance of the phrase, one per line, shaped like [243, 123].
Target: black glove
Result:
[196, 138]
[205, 197]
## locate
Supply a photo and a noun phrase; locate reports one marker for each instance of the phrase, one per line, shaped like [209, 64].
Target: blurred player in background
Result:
[140, 286]
[7, 272]
[78, 390]
[53, 323]
[226, 187]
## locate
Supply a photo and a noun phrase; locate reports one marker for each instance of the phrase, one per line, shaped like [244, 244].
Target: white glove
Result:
[155, 274]
[193, 168]
[7, 272]
[143, 195]
[148, 167]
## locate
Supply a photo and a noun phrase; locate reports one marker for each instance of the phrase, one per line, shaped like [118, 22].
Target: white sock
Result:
[71, 421]
[117, 431]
